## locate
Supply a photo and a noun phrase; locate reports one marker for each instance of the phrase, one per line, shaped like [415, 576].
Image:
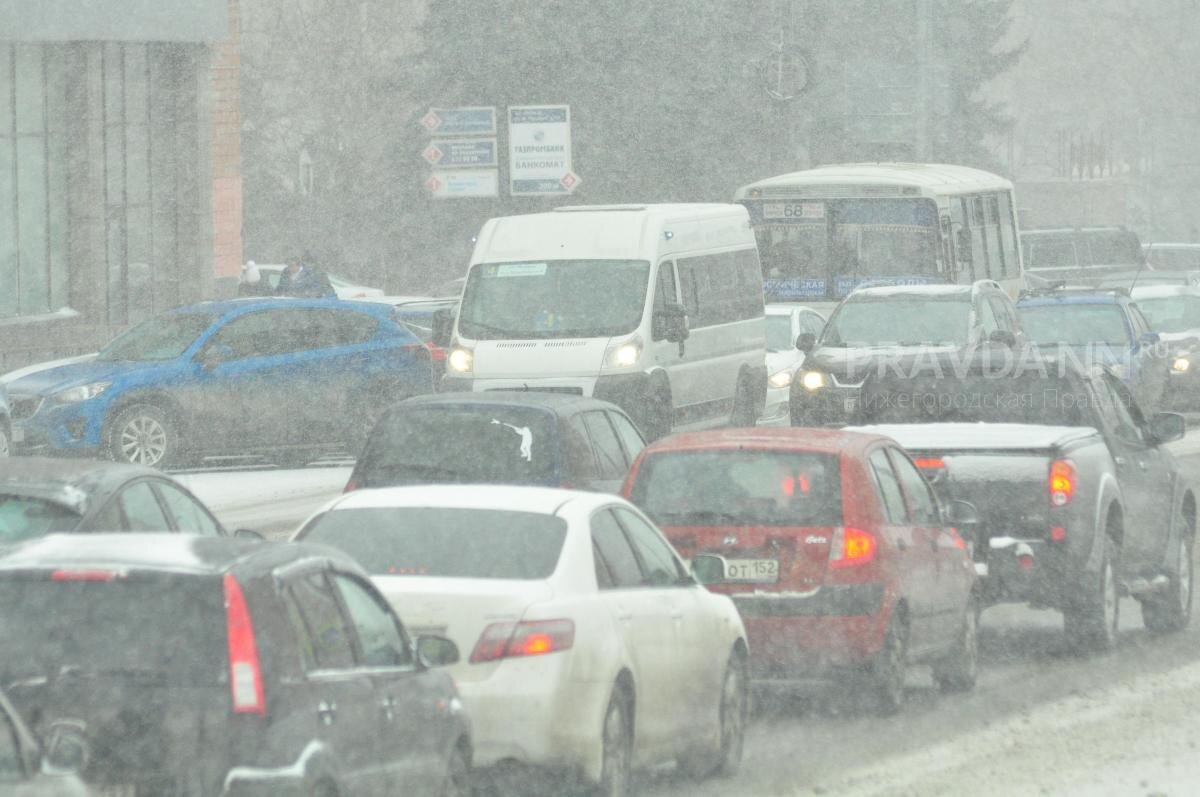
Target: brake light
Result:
[245, 674]
[85, 575]
[930, 463]
[791, 483]
[436, 353]
[350, 487]
[852, 547]
[421, 351]
[1058, 533]
[1062, 482]
[514, 640]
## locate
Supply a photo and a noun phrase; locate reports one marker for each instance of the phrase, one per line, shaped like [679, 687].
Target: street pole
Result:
[921, 142]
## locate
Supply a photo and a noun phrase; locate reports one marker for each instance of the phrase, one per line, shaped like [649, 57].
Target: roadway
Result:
[1040, 720]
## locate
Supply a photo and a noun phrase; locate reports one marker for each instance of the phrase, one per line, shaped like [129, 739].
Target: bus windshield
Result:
[824, 248]
[554, 299]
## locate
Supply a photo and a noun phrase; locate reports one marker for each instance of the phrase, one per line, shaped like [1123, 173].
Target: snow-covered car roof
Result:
[540, 500]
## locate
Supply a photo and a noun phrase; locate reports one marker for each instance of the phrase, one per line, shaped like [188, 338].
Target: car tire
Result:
[732, 711]
[1172, 611]
[143, 434]
[658, 415]
[458, 774]
[616, 736]
[743, 413]
[890, 668]
[1090, 624]
[957, 671]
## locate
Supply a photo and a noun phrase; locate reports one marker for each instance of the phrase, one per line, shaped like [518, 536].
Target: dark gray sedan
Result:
[45, 496]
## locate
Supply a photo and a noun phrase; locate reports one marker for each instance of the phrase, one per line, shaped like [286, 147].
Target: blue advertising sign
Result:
[777, 289]
[479, 121]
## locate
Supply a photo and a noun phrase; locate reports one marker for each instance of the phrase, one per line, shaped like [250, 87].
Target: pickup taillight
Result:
[1061, 482]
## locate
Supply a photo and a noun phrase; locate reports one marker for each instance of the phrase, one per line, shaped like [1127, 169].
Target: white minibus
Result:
[657, 308]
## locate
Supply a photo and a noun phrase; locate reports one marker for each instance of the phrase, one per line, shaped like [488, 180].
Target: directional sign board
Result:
[464, 183]
[539, 150]
[459, 153]
[460, 121]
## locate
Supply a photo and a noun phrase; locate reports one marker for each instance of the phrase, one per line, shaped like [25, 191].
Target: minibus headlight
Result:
[624, 354]
[781, 378]
[461, 360]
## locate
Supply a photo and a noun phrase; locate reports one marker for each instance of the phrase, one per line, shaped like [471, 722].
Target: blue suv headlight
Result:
[74, 395]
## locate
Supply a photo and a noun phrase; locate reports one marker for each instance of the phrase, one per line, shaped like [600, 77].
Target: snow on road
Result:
[270, 501]
[1136, 738]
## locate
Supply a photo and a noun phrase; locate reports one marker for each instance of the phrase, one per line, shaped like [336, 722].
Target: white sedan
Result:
[592, 650]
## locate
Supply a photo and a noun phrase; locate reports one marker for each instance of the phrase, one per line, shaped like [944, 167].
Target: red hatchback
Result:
[832, 545]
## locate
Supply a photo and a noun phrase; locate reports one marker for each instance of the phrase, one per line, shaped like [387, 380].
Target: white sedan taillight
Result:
[530, 638]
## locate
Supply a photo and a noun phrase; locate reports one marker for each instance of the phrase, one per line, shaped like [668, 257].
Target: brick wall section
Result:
[227, 150]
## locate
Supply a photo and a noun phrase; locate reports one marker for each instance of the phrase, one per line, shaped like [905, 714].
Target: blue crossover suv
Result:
[285, 378]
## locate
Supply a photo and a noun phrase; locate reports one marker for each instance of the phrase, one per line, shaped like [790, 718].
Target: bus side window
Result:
[960, 220]
[1008, 234]
[946, 254]
[979, 248]
[996, 254]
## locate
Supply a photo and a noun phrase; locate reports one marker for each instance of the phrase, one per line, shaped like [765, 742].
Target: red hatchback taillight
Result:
[245, 673]
[851, 547]
[1062, 482]
[531, 638]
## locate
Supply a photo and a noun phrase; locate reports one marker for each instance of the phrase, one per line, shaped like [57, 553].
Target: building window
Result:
[33, 184]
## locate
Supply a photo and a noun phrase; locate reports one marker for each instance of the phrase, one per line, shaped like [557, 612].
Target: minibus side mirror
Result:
[669, 322]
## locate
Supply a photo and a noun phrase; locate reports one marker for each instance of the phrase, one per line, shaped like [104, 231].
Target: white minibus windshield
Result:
[554, 299]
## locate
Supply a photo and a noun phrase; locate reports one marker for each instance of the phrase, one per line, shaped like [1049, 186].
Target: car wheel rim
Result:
[1185, 578]
[143, 441]
[733, 714]
[616, 753]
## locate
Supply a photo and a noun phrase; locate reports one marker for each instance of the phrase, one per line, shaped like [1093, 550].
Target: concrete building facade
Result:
[120, 187]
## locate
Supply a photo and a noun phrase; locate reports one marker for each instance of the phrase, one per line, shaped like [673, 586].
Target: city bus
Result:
[824, 231]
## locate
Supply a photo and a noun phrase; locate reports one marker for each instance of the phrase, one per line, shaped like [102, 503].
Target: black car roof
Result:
[172, 553]
[66, 481]
[558, 403]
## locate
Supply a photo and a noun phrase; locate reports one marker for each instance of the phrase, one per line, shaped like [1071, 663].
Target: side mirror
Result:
[66, 750]
[214, 355]
[1003, 337]
[708, 568]
[1149, 338]
[443, 328]
[806, 342]
[436, 651]
[670, 323]
[1167, 426]
[248, 534]
[960, 513]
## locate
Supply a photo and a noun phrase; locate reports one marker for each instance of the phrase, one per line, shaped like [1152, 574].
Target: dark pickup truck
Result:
[1078, 500]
